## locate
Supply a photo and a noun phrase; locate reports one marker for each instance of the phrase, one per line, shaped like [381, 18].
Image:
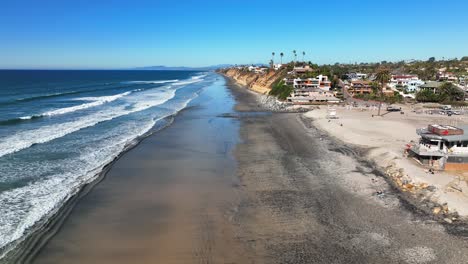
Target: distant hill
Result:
[183, 68]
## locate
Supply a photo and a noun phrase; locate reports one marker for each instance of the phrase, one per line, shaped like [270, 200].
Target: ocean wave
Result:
[38, 97]
[20, 217]
[32, 98]
[96, 101]
[150, 82]
[187, 82]
[26, 139]
[199, 76]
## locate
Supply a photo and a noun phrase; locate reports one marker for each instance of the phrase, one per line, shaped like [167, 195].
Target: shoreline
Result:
[265, 187]
[139, 209]
[26, 250]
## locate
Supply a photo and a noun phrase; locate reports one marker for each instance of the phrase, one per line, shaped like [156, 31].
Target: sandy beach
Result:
[227, 184]
[385, 137]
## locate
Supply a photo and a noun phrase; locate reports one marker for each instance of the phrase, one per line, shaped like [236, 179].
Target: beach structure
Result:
[442, 147]
[312, 96]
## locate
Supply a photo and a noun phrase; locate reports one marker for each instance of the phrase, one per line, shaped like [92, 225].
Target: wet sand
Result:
[168, 200]
[260, 188]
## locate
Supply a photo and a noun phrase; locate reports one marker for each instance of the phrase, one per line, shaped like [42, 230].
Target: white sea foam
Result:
[96, 101]
[26, 139]
[187, 82]
[45, 196]
[199, 76]
[151, 82]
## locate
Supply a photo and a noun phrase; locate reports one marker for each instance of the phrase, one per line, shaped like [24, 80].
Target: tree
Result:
[427, 96]
[281, 90]
[281, 55]
[449, 92]
[382, 76]
[431, 59]
[273, 57]
[303, 55]
[295, 55]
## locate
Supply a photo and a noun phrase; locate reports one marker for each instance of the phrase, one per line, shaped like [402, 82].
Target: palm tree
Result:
[295, 56]
[382, 76]
[281, 54]
[303, 55]
[273, 57]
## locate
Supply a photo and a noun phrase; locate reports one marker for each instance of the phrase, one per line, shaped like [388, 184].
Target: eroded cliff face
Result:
[260, 83]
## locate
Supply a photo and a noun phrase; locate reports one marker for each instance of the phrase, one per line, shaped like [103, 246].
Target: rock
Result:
[423, 185]
[436, 210]
[445, 208]
[409, 186]
[448, 220]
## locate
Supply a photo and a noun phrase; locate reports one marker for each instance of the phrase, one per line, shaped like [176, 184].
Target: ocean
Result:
[58, 129]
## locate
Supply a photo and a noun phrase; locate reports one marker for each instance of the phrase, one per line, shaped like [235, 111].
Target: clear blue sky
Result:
[120, 34]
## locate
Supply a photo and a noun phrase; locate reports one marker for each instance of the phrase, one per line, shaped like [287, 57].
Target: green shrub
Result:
[281, 90]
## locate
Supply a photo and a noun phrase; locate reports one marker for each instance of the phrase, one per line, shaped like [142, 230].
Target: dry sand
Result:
[387, 136]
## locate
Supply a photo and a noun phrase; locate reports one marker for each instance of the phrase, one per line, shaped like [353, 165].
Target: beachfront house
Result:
[442, 147]
[360, 87]
[320, 82]
[414, 86]
[312, 96]
[402, 80]
[431, 86]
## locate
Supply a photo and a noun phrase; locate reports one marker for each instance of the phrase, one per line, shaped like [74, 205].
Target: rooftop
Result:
[431, 84]
[424, 132]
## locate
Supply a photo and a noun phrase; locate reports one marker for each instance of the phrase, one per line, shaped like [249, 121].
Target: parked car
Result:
[446, 107]
[453, 113]
[393, 109]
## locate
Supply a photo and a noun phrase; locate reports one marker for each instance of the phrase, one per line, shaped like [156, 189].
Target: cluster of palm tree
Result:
[282, 55]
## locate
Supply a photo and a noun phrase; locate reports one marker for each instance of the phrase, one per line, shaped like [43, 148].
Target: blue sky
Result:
[122, 34]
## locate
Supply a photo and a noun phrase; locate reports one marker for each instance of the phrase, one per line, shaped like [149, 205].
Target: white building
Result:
[413, 86]
[277, 66]
[356, 76]
[410, 82]
[320, 82]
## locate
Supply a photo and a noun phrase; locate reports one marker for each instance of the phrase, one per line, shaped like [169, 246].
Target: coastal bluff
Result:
[260, 83]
